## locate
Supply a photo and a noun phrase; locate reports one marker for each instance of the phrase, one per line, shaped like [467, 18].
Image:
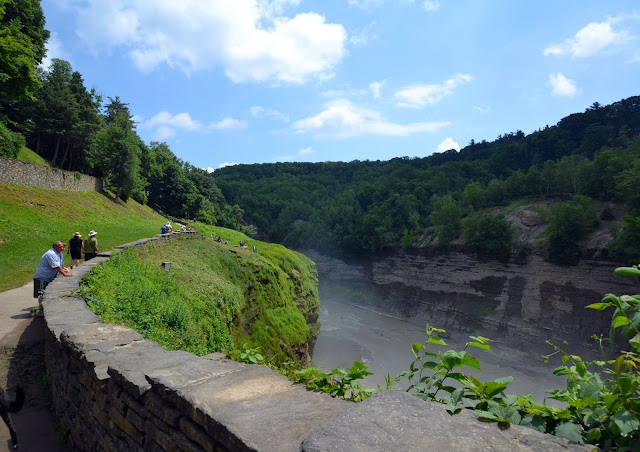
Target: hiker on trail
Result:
[51, 263]
[75, 249]
[90, 246]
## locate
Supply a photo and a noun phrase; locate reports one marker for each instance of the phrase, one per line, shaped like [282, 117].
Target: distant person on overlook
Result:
[75, 249]
[90, 246]
[51, 263]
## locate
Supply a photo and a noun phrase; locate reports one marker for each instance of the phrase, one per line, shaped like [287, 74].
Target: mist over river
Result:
[382, 340]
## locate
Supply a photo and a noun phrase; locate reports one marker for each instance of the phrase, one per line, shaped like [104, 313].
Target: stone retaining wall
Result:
[23, 173]
[114, 390]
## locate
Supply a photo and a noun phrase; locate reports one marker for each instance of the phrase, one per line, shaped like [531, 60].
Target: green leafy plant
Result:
[246, 355]
[342, 383]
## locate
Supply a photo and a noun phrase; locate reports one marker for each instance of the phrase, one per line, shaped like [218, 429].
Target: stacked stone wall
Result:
[113, 390]
[23, 173]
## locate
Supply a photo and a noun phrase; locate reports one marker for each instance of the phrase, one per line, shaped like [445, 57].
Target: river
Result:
[357, 332]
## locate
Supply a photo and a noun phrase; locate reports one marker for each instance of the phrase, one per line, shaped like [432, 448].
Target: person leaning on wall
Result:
[51, 264]
[90, 246]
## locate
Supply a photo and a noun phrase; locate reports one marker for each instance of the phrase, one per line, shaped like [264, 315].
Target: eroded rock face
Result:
[527, 303]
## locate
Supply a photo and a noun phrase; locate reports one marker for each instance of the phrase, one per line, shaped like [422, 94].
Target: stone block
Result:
[162, 409]
[243, 409]
[124, 425]
[395, 420]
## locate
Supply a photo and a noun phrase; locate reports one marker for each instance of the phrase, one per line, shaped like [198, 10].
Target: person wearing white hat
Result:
[90, 246]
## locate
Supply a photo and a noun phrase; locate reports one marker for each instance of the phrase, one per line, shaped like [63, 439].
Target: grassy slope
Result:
[27, 155]
[31, 219]
[216, 297]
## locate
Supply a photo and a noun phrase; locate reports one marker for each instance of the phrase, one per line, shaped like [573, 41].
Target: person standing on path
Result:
[51, 263]
[90, 246]
[75, 249]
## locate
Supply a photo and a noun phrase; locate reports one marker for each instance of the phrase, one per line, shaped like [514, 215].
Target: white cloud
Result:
[590, 40]
[367, 5]
[363, 36]
[249, 39]
[431, 5]
[342, 119]
[375, 88]
[343, 93]
[228, 124]
[561, 86]
[417, 96]
[484, 109]
[300, 153]
[263, 113]
[222, 165]
[166, 125]
[447, 144]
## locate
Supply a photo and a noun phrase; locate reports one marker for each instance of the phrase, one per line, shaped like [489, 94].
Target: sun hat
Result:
[92, 233]
[77, 234]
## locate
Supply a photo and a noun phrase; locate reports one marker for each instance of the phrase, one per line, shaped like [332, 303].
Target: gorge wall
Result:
[524, 303]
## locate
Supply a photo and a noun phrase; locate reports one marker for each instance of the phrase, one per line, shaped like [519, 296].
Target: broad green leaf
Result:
[429, 365]
[626, 421]
[451, 358]
[535, 422]
[619, 321]
[635, 342]
[570, 431]
[581, 369]
[435, 340]
[598, 306]
[479, 345]
[626, 271]
[471, 362]
[594, 435]
[416, 347]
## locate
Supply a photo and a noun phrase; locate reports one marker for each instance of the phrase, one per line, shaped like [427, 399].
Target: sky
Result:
[227, 82]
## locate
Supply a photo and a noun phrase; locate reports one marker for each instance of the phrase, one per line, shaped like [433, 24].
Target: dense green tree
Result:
[568, 223]
[115, 154]
[489, 236]
[447, 219]
[22, 47]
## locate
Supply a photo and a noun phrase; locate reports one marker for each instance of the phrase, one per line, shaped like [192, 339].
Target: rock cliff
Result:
[523, 303]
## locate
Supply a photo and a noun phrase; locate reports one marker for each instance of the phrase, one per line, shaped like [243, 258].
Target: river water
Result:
[357, 332]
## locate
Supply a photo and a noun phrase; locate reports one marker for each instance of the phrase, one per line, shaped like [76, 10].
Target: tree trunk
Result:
[66, 152]
[38, 142]
[55, 153]
[70, 159]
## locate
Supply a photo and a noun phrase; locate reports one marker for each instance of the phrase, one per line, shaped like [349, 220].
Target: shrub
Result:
[489, 236]
[568, 223]
[10, 142]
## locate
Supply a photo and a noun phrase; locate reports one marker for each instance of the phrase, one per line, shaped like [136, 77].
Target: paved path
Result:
[22, 362]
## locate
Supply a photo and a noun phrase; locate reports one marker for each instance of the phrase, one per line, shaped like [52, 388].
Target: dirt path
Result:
[22, 362]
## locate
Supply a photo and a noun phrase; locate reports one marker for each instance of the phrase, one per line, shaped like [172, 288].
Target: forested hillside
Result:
[363, 207]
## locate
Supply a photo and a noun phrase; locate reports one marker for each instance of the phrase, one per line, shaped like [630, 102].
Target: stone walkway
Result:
[22, 362]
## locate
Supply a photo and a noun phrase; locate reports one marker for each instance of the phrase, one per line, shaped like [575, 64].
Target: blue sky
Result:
[256, 81]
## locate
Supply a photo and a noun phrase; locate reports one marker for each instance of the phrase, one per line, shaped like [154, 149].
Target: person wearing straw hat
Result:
[75, 249]
[90, 246]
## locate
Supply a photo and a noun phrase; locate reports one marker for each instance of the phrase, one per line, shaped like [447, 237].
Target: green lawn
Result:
[31, 219]
[27, 155]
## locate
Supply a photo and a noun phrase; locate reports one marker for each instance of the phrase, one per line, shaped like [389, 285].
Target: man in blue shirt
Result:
[51, 264]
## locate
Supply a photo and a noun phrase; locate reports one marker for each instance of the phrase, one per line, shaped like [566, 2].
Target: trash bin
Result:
[164, 230]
